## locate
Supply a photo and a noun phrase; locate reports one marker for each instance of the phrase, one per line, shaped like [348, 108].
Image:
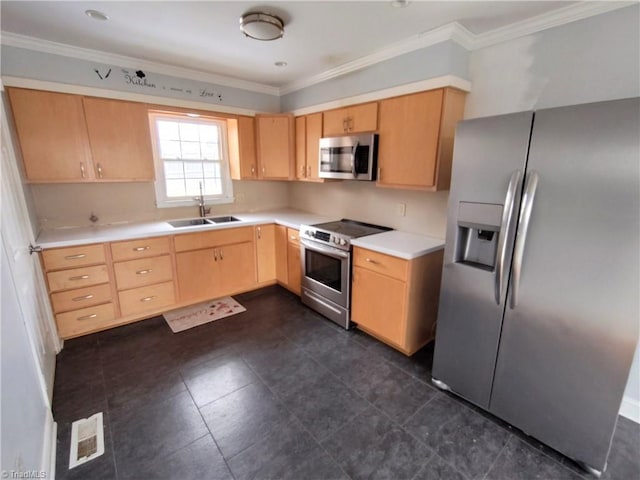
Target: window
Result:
[190, 154]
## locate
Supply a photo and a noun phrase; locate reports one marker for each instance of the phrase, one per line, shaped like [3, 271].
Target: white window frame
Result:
[162, 200]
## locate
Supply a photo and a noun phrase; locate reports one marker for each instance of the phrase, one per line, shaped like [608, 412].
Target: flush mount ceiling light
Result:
[96, 15]
[262, 26]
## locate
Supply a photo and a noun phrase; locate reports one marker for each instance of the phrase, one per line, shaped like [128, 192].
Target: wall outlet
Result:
[401, 209]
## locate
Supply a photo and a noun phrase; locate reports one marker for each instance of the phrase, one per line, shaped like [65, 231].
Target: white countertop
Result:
[67, 237]
[400, 244]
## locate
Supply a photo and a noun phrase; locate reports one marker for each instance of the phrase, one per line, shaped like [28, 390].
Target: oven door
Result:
[326, 271]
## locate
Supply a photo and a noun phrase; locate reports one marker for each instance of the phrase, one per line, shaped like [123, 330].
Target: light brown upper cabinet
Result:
[352, 119]
[120, 139]
[70, 138]
[275, 144]
[416, 139]
[242, 148]
[53, 136]
[308, 134]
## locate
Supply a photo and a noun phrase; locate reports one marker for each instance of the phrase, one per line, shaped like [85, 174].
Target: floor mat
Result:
[194, 315]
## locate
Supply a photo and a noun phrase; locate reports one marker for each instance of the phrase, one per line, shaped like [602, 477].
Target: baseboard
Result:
[630, 408]
[48, 462]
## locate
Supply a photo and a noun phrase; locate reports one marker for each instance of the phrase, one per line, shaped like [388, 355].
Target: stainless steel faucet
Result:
[204, 211]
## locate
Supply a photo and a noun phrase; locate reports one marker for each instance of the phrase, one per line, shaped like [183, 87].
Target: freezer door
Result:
[568, 343]
[489, 155]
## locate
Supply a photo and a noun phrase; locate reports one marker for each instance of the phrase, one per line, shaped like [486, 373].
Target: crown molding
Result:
[555, 18]
[120, 95]
[39, 45]
[405, 89]
[451, 31]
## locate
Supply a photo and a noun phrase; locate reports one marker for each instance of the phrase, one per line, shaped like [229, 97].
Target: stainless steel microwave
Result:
[350, 157]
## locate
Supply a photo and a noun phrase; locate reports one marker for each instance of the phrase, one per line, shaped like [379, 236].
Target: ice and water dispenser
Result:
[478, 234]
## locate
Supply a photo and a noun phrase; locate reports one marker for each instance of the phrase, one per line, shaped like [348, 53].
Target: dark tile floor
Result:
[278, 392]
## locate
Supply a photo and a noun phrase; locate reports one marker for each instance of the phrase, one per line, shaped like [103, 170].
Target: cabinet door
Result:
[266, 252]
[120, 139]
[282, 269]
[301, 148]
[275, 146]
[242, 148]
[363, 118]
[409, 132]
[236, 268]
[294, 267]
[53, 135]
[378, 304]
[335, 122]
[197, 275]
[312, 144]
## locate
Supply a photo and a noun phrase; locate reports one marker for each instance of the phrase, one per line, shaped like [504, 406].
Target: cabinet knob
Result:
[221, 257]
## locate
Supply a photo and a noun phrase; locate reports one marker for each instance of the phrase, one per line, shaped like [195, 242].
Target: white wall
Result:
[586, 61]
[426, 213]
[57, 205]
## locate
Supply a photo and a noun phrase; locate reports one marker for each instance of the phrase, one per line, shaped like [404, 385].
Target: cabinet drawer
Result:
[379, 262]
[145, 247]
[293, 236]
[81, 298]
[72, 257]
[77, 277]
[197, 241]
[145, 271]
[75, 323]
[145, 299]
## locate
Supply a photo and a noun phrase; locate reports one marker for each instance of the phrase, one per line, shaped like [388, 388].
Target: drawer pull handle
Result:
[371, 260]
[79, 277]
[147, 299]
[293, 237]
[141, 249]
[221, 257]
[88, 317]
[144, 272]
[75, 257]
[84, 297]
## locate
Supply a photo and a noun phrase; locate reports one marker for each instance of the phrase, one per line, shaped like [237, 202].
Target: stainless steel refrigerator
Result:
[539, 309]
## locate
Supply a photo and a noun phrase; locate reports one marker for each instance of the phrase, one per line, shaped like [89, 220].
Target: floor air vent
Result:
[87, 440]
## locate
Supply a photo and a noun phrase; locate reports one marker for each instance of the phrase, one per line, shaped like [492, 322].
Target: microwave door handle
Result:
[353, 160]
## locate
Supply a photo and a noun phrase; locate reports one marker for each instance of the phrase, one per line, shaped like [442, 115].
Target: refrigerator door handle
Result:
[523, 226]
[505, 229]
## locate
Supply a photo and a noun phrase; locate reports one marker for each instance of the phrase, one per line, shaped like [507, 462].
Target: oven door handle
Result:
[332, 252]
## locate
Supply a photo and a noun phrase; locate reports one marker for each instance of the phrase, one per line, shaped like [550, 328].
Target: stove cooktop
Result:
[339, 233]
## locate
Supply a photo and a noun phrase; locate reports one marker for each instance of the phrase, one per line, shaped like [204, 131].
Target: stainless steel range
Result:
[326, 266]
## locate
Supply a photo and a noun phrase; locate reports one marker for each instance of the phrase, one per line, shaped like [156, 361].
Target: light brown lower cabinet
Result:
[396, 300]
[265, 238]
[288, 266]
[227, 266]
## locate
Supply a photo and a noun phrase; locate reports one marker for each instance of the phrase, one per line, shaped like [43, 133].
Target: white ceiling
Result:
[205, 36]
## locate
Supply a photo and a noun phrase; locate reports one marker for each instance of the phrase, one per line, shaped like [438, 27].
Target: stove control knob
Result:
[308, 233]
[334, 239]
[343, 242]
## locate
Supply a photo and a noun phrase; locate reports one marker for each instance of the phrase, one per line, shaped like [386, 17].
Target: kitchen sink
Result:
[190, 222]
[224, 219]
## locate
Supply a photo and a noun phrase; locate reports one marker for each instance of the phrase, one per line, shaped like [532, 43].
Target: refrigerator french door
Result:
[539, 309]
